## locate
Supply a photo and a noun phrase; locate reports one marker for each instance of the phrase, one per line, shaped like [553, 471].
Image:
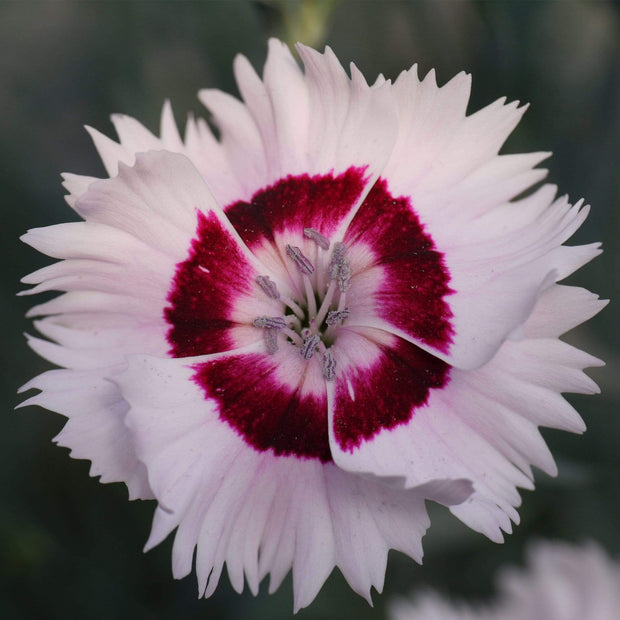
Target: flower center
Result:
[275, 398]
[312, 321]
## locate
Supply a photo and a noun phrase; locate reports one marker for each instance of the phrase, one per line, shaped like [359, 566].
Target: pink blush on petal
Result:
[415, 277]
[297, 202]
[385, 394]
[267, 414]
[206, 288]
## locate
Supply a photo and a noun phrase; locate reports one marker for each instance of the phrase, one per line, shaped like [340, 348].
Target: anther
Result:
[339, 267]
[268, 286]
[317, 237]
[336, 259]
[270, 337]
[335, 316]
[344, 275]
[269, 322]
[302, 263]
[329, 366]
[309, 347]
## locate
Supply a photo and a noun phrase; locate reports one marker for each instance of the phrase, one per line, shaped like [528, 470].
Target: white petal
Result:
[351, 124]
[455, 145]
[146, 338]
[288, 93]
[482, 426]
[258, 513]
[134, 138]
[214, 162]
[133, 135]
[155, 201]
[170, 137]
[93, 301]
[559, 309]
[95, 429]
[241, 143]
[498, 281]
[89, 240]
[320, 122]
[76, 185]
[111, 153]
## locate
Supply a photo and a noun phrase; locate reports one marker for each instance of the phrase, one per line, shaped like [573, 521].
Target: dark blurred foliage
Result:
[70, 547]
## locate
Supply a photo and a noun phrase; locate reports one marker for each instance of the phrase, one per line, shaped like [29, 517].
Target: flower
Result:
[292, 335]
[429, 605]
[561, 582]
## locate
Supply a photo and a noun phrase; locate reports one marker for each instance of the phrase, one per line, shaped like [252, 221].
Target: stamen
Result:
[339, 267]
[294, 336]
[270, 322]
[337, 257]
[317, 237]
[305, 328]
[344, 275]
[341, 302]
[327, 300]
[292, 319]
[310, 300]
[309, 346]
[302, 263]
[329, 366]
[335, 316]
[268, 286]
[294, 307]
[270, 337]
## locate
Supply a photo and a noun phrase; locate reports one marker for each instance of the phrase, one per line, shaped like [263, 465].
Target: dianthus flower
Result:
[560, 582]
[293, 334]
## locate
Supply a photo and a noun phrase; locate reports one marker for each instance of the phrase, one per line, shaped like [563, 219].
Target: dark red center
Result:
[411, 296]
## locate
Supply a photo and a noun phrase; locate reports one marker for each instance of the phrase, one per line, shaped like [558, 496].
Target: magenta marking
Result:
[411, 297]
[265, 413]
[204, 289]
[386, 395]
[295, 203]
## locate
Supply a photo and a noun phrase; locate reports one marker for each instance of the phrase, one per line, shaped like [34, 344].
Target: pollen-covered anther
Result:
[270, 336]
[301, 261]
[344, 275]
[329, 366]
[269, 322]
[335, 316]
[339, 268]
[268, 286]
[309, 346]
[317, 237]
[337, 257]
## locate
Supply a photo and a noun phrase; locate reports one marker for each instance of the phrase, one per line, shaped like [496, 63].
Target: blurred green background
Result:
[70, 547]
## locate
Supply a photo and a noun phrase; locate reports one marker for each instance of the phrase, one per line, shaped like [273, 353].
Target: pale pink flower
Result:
[560, 582]
[430, 605]
[294, 334]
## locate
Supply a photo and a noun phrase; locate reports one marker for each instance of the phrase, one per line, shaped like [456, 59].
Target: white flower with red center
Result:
[293, 335]
[560, 582]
